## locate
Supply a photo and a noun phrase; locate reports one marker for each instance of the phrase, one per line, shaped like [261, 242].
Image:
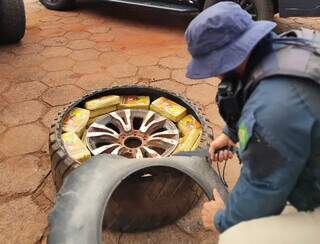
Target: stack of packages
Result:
[79, 119]
[101, 106]
[191, 131]
[73, 127]
[189, 127]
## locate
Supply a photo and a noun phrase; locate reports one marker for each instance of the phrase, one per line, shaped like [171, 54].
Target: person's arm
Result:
[267, 178]
[274, 136]
[231, 133]
[275, 143]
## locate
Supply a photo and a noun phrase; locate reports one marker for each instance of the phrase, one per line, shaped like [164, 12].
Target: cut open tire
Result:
[80, 205]
[158, 200]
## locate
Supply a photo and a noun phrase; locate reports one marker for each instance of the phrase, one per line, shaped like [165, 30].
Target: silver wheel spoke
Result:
[125, 124]
[98, 134]
[117, 150]
[104, 148]
[163, 140]
[146, 119]
[152, 152]
[149, 123]
[105, 128]
[138, 153]
[167, 133]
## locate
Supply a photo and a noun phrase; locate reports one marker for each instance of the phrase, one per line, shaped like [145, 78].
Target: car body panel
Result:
[286, 8]
[290, 8]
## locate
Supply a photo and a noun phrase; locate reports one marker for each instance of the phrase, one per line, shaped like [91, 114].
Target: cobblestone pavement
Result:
[63, 56]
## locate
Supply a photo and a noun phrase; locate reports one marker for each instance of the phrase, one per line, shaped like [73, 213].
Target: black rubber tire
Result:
[59, 4]
[171, 194]
[12, 21]
[265, 8]
[80, 205]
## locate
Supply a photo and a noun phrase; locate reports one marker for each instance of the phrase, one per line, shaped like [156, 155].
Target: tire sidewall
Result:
[12, 21]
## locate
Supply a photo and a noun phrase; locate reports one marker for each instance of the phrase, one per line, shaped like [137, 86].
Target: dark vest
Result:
[298, 57]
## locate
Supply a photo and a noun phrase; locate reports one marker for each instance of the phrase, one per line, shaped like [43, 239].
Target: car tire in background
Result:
[58, 4]
[259, 9]
[12, 21]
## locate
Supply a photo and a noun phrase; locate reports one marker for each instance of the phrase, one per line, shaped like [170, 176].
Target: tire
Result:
[12, 21]
[170, 193]
[58, 4]
[80, 205]
[264, 8]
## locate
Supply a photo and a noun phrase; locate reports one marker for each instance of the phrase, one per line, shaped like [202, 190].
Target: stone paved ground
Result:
[63, 56]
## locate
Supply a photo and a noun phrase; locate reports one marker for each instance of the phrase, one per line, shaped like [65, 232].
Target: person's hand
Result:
[210, 209]
[221, 141]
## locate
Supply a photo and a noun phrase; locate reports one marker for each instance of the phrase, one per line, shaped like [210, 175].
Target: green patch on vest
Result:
[243, 136]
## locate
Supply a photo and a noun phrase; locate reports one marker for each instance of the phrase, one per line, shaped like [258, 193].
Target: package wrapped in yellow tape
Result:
[102, 102]
[102, 111]
[84, 137]
[76, 121]
[168, 109]
[137, 102]
[190, 142]
[187, 124]
[75, 147]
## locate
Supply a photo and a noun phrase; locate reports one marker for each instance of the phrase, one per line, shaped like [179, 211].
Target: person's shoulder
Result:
[274, 89]
[273, 97]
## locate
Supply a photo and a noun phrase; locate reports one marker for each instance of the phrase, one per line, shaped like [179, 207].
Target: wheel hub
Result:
[133, 133]
[133, 142]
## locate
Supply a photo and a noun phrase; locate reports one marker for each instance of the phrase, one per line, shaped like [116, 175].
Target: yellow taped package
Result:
[181, 139]
[84, 137]
[190, 142]
[197, 143]
[102, 102]
[137, 102]
[76, 121]
[188, 123]
[168, 109]
[75, 147]
[102, 111]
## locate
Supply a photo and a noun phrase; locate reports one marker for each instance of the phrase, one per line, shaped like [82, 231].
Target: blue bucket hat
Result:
[221, 38]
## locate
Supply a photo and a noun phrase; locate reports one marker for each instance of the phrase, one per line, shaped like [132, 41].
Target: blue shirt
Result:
[281, 125]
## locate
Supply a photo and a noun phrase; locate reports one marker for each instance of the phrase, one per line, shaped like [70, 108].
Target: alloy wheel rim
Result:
[133, 133]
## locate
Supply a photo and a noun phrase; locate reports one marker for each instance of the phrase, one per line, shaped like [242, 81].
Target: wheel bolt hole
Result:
[133, 142]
